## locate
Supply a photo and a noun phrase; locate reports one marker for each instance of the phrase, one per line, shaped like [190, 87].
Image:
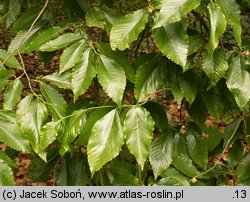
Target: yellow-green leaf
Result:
[105, 141]
[138, 129]
[218, 23]
[127, 29]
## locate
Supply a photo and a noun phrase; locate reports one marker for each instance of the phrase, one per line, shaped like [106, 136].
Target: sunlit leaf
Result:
[138, 129]
[218, 23]
[83, 73]
[238, 81]
[105, 141]
[61, 41]
[172, 41]
[71, 55]
[48, 135]
[31, 116]
[172, 10]
[127, 29]
[111, 74]
[232, 12]
[73, 128]
[62, 80]
[56, 103]
[10, 133]
[9, 60]
[7, 176]
[12, 94]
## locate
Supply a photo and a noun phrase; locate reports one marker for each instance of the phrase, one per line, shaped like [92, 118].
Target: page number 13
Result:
[240, 194]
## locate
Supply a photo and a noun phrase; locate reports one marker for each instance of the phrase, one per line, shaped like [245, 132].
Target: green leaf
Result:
[180, 147]
[73, 171]
[173, 177]
[105, 141]
[12, 94]
[9, 60]
[56, 103]
[13, 9]
[212, 137]
[31, 116]
[6, 159]
[218, 23]
[71, 55]
[188, 85]
[10, 133]
[6, 177]
[22, 39]
[159, 115]
[102, 17]
[181, 157]
[83, 73]
[247, 181]
[189, 169]
[4, 76]
[238, 82]
[40, 171]
[48, 34]
[235, 154]
[26, 19]
[121, 58]
[243, 168]
[172, 10]
[61, 41]
[173, 83]
[197, 147]
[91, 120]
[214, 103]
[73, 127]
[121, 173]
[195, 42]
[215, 66]
[127, 29]
[125, 179]
[198, 110]
[231, 10]
[111, 74]
[8, 115]
[138, 129]
[231, 131]
[48, 135]
[150, 76]
[172, 41]
[160, 153]
[46, 57]
[61, 81]
[227, 97]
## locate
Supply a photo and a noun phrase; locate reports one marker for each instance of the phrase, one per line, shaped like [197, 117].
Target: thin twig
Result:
[140, 40]
[207, 171]
[26, 74]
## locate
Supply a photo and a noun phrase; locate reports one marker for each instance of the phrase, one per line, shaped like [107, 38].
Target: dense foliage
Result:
[194, 52]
